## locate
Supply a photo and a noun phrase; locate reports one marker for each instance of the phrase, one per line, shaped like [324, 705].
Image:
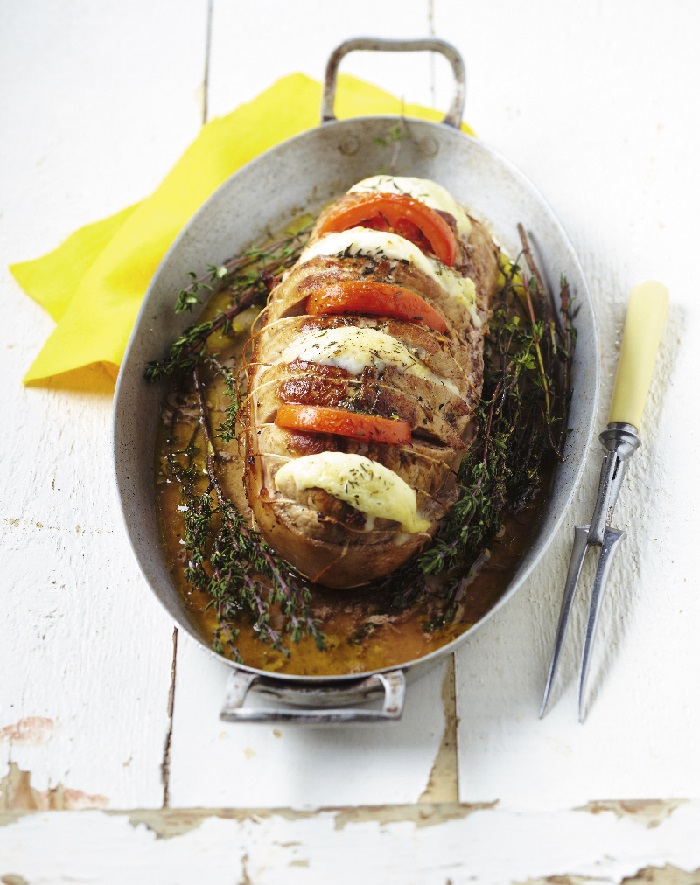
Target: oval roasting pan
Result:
[304, 173]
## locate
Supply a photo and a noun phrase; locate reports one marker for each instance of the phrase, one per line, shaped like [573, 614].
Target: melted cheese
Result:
[354, 349]
[360, 482]
[423, 189]
[379, 244]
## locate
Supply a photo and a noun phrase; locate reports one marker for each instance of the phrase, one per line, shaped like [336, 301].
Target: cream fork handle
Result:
[648, 305]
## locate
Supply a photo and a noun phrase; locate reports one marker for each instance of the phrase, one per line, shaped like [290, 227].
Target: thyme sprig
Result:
[249, 280]
[520, 421]
[227, 429]
[236, 567]
[225, 558]
[245, 270]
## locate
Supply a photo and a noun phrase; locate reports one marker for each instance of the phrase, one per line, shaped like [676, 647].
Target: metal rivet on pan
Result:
[429, 147]
[349, 146]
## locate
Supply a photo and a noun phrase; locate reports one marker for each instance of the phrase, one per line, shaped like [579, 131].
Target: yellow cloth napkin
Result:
[94, 282]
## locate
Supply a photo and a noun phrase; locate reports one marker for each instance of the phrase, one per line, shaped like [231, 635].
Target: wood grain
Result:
[100, 105]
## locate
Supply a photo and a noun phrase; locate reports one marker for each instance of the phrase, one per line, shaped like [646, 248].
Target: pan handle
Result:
[317, 705]
[453, 117]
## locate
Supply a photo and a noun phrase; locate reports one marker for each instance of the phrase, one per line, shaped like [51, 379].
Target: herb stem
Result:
[285, 586]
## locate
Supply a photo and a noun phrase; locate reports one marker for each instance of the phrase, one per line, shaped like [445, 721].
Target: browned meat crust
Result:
[325, 538]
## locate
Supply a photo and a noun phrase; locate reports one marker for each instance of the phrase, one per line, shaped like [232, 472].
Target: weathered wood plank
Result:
[579, 102]
[246, 765]
[448, 843]
[98, 104]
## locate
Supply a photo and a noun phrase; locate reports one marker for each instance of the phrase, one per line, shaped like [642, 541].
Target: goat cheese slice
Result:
[360, 482]
[423, 189]
[380, 244]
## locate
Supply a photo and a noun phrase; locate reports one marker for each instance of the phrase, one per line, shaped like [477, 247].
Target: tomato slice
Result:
[321, 419]
[376, 299]
[407, 216]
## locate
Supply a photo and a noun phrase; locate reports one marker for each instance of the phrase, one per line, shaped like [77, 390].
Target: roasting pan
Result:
[304, 173]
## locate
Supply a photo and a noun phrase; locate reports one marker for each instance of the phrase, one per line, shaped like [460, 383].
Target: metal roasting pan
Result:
[304, 173]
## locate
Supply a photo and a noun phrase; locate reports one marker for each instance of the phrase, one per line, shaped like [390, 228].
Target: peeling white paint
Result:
[276, 847]
[29, 730]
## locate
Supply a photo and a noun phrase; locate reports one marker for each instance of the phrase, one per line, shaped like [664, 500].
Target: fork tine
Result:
[611, 541]
[578, 554]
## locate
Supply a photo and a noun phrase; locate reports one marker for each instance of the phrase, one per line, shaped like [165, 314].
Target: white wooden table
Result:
[114, 766]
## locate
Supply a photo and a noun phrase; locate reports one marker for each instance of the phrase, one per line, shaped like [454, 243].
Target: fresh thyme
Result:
[227, 429]
[520, 422]
[249, 280]
[237, 568]
[225, 558]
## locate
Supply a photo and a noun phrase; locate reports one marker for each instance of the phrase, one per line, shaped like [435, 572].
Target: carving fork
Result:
[646, 313]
